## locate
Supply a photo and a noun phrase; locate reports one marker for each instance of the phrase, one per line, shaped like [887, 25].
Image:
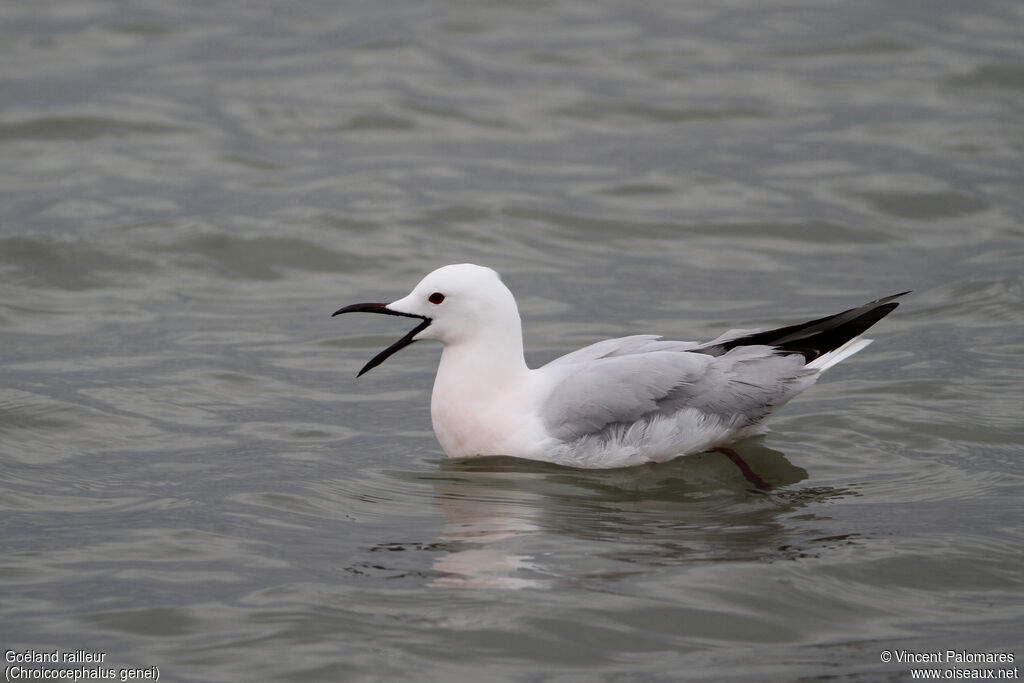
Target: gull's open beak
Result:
[398, 345]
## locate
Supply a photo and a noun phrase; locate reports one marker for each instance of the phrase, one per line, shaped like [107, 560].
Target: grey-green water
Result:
[191, 478]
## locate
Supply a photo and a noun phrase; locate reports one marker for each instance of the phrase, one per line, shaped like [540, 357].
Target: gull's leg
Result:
[750, 474]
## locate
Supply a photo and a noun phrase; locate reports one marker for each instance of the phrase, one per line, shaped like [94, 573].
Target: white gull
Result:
[616, 403]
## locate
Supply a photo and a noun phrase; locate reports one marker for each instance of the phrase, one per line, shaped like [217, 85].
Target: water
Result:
[192, 478]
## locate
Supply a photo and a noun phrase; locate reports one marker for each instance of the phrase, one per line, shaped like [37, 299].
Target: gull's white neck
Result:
[482, 383]
[481, 367]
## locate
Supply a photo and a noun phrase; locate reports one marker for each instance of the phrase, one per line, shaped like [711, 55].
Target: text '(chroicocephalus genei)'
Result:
[615, 403]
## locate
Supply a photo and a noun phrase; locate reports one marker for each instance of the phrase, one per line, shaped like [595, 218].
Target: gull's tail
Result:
[822, 342]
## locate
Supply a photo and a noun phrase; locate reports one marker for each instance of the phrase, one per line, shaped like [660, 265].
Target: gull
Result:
[616, 403]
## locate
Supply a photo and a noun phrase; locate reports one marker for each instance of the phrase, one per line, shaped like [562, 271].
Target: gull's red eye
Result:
[436, 298]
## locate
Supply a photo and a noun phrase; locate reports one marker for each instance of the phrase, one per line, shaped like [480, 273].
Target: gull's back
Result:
[636, 399]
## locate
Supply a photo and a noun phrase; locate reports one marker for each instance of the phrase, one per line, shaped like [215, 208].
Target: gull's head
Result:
[456, 304]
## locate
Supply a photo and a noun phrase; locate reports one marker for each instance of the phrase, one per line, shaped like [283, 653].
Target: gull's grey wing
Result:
[736, 379]
[622, 346]
[737, 388]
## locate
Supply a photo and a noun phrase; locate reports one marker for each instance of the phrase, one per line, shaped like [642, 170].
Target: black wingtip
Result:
[887, 299]
[816, 337]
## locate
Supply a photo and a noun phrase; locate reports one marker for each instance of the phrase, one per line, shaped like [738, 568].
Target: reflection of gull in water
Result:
[508, 521]
[616, 403]
[484, 531]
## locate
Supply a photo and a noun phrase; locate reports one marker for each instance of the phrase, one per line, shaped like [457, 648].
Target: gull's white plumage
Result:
[615, 403]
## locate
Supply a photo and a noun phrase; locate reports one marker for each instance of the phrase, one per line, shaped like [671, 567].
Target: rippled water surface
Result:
[191, 478]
